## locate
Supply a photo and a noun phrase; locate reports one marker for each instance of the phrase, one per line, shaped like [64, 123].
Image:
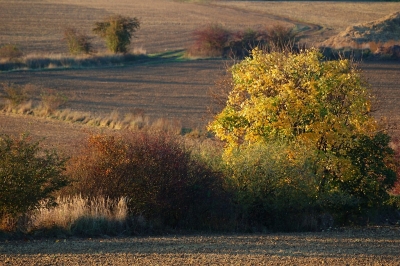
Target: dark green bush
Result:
[117, 32]
[356, 188]
[270, 191]
[78, 43]
[162, 182]
[28, 175]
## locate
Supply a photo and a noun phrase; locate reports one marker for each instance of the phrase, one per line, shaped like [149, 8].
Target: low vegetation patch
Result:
[21, 99]
[54, 61]
[216, 41]
[82, 216]
[298, 150]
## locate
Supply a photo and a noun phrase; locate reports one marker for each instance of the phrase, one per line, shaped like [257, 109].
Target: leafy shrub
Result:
[10, 52]
[210, 40]
[270, 190]
[117, 31]
[28, 175]
[322, 106]
[162, 182]
[78, 43]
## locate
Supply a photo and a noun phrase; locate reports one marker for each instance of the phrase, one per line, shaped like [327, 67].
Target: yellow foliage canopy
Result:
[295, 97]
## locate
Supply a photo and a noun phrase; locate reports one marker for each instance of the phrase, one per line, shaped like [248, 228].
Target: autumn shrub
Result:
[215, 40]
[78, 43]
[302, 100]
[281, 38]
[10, 52]
[28, 175]
[210, 40]
[117, 31]
[243, 42]
[163, 184]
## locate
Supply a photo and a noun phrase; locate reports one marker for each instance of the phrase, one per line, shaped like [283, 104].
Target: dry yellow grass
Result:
[72, 208]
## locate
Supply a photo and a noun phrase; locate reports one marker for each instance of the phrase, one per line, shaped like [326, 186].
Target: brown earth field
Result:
[372, 246]
[176, 91]
[179, 91]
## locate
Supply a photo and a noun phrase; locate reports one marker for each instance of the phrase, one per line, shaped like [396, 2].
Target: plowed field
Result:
[373, 246]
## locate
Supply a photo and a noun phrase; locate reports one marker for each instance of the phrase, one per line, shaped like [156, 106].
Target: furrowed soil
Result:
[372, 246]
[179, 91]
[176, 91]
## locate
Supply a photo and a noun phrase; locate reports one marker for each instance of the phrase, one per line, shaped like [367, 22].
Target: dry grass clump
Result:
[78, 215]
[51, 61]
[20, 99]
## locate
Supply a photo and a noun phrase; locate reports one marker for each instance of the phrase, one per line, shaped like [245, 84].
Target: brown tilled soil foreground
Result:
[368, 246]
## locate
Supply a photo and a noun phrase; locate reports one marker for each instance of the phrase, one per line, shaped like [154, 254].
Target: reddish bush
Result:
[162, 182]
[210, 40]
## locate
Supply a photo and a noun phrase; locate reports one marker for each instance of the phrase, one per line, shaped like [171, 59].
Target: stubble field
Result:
[179, 91]
[349, 247]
